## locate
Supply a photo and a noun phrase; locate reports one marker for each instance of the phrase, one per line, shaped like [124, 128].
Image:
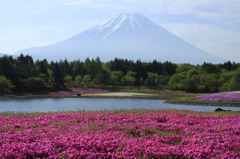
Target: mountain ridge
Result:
[128, 36]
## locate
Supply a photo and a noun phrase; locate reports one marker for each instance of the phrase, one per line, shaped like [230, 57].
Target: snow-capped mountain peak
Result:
[122, 25]
[127, 36]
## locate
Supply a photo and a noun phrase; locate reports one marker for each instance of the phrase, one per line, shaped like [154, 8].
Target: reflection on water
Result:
[94, 104]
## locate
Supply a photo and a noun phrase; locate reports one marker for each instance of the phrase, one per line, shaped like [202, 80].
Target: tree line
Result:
[23, 74]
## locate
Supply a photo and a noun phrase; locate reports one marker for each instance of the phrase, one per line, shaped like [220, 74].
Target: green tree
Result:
[121, 65]
[65, 67]
[35, 84]
[86, 81]
[78, 69]
[116, 77]
[225, 79]
[155, 67]
[194, 84]
[152, 80]
[6, 85]
[78, 81]
[7, 68]
[103, 77]
[169, 68]
[190, 82]
[130, 78]
[68, 81]
[140, 72]
[24, 69]
[163, 81]
[98, 66]
[87, 64]
[210, 82]
[43, 67]
[177, 81]
[43, 70]
[58, 77]
[184, 68]
[209, 68]
[234, 82]
[227, 65]
[93, 67]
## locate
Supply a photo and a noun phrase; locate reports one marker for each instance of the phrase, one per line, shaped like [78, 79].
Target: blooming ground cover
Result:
[69, 92]
[218, 97]
[120, 134]
[75, 91]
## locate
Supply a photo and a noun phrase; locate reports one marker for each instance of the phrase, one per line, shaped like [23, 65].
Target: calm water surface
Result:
[94, 104]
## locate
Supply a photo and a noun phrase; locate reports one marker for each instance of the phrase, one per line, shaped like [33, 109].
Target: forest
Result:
[23, 74]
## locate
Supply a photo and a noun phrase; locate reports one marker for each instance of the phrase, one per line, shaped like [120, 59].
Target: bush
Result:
[5, 85]
[177, 81]
[78, 81]
[35, 84]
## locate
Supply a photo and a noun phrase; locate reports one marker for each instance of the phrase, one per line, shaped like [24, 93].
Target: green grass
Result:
[141, 111]
[190, 100]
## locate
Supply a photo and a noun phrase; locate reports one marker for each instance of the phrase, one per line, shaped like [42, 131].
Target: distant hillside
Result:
[14, 56]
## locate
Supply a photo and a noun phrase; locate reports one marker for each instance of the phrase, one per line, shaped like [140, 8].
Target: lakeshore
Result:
[171, 97]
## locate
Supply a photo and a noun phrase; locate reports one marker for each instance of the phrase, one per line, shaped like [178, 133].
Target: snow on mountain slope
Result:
[128, 36]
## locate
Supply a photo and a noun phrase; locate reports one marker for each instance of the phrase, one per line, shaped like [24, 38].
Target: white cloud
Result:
[85, 3]
[217, 10]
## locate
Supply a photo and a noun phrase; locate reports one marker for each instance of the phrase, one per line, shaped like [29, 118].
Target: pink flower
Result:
[128, 134]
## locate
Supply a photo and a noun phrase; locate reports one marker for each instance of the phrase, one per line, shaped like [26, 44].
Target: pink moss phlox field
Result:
[218, 97]
[126, 134]
[88, 91]
[75, 91]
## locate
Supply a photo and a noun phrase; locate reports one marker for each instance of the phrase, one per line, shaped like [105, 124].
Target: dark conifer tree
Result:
[7, 69]
[24, 69]
[103, 77]
[43, 68]
[58, 77]
[140, 72]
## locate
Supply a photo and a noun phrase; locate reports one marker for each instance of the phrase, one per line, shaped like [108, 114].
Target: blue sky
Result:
[212, 25]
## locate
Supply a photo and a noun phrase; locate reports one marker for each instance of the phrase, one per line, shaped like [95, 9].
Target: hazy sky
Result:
[212, 25]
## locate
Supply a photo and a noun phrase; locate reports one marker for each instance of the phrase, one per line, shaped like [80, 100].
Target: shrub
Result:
[6, 85]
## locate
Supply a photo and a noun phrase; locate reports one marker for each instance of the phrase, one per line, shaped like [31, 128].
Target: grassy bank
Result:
[172, 97]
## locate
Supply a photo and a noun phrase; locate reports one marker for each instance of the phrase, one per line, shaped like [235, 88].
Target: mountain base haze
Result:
[127, 36]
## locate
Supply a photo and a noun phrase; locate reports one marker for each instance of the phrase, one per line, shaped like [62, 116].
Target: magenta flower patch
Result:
[218, 97]
[155, 134]
[75, 91]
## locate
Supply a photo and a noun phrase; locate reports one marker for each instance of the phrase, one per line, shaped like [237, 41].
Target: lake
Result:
[94, 104]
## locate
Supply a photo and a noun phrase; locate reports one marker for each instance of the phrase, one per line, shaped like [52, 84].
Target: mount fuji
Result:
[127, 36]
